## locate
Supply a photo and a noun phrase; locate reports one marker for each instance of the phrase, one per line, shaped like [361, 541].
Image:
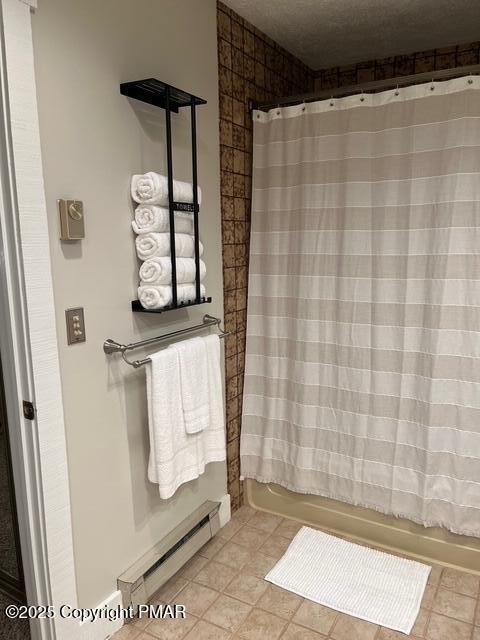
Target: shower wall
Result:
[381, 69]
[252, 67]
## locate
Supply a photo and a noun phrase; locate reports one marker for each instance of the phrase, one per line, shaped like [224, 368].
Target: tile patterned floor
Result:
[226, 597]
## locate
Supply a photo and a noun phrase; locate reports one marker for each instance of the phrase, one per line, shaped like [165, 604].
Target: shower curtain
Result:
[362, 379]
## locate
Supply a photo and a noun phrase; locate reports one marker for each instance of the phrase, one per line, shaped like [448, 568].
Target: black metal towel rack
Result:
[170, 99]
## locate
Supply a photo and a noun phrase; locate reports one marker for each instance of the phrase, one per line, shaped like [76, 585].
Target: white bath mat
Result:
[361, 582]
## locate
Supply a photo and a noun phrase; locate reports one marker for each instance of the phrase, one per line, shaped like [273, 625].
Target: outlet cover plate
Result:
[75, 325]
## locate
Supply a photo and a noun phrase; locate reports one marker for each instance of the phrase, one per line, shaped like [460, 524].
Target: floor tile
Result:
[215, 575]
[192, 567]
[212, 547]
[233, 555]
[461, 582]
[265, 521]
[279, 601]
[236, 562]
[244, 514]
[261, 625]
[259, 564]
[227, 613]
[454, 605]
[288, 528]
[141, 623]
[170, 589]
[315, 616]
[419, 629]
[196, 598]
[294, 632]
[127, 632]
[206, 631]
[347, 627]
[230, 529]
[389, 634]
[275, 546]
[249, 537]
[429, 596]
[442, 628]
[247, 588]
[435, 574]
[168, 629]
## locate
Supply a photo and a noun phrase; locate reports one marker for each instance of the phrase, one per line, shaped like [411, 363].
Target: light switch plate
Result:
[72, 222]
[75, 325]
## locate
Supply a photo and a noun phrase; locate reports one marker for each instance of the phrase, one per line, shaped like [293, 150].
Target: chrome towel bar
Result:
[111, 346]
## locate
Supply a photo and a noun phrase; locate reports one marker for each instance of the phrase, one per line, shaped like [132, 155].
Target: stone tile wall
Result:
[385, 68]
[252, 67]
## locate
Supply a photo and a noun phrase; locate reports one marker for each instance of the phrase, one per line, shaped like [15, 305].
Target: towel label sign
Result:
[185, 206]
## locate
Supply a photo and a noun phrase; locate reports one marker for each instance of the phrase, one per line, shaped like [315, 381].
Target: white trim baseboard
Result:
[224, 512]
[103, 628]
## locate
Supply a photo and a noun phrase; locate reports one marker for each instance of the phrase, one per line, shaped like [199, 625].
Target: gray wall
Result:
[93, 139]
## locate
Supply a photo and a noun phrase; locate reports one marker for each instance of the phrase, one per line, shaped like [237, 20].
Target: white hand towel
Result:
[192, 355]
[212, 346]
[176, 457]
[152, 188]
[159, 271]
[159, 296]
[214, 439]
[150, 218]
[157, 245]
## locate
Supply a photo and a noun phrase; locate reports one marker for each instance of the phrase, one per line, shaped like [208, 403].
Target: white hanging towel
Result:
[152, 219]
[157, 245]
[152, 188]
[159, 296]
[216, 433]
[176, 457]
[155, 271]
[194, 383]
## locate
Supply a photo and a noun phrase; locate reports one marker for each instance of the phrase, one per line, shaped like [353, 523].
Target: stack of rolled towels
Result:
[152, 226]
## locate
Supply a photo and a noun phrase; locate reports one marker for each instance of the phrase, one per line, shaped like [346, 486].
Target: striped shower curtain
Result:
[362, 379]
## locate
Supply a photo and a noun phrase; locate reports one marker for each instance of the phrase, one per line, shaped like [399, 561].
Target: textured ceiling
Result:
[325, 33]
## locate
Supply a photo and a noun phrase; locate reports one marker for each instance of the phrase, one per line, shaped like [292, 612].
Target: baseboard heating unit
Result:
[151, 571]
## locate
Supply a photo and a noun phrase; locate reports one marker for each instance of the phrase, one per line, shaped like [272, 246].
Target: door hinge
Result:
[28, 410]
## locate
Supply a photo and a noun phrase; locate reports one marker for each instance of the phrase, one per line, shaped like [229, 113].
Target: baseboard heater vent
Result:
[151, 571]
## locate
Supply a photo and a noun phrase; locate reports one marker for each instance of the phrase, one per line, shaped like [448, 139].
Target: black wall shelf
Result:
[155, 92]
[137, 306]
[160, 94]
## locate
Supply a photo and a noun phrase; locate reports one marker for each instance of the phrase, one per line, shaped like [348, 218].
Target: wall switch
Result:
[72, 223]
[75, 325]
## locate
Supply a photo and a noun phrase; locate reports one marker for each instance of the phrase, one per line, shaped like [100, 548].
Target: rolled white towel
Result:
[152, 219]
[157, 245]
[159, 271]
[152, 188]
[157, 297]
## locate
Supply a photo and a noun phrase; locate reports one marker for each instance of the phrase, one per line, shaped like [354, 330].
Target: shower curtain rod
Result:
[373, 86]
